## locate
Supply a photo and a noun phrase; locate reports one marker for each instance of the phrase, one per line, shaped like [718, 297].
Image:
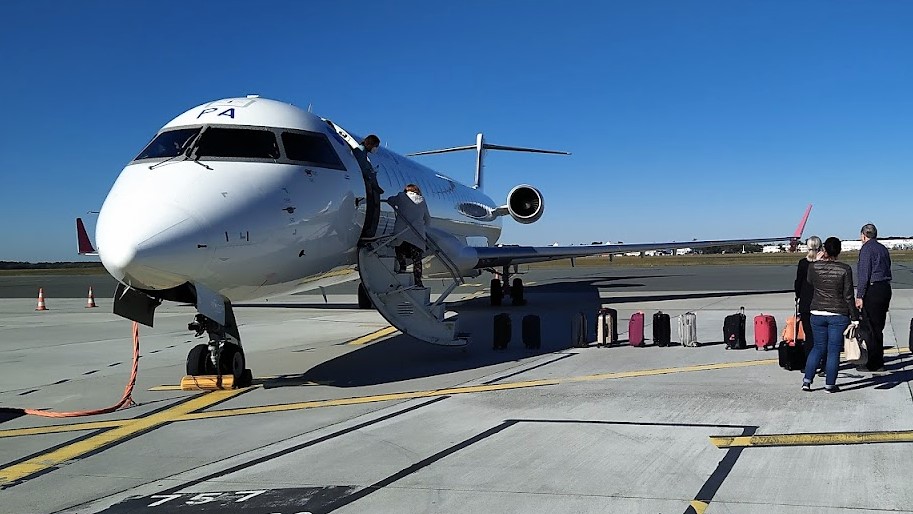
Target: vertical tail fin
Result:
[84, 244]
[797, 235]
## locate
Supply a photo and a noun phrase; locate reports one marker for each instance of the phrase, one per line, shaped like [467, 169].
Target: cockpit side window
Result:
[168, 144]
[311, 148]
[237, 143]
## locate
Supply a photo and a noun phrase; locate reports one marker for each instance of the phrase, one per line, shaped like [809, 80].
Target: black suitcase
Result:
[502, 331]
[662, 329]
[532, 334]
[792, 356]
[734, 330]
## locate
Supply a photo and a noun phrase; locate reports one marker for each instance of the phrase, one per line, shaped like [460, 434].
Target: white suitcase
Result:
[687, 329]
[606, 327]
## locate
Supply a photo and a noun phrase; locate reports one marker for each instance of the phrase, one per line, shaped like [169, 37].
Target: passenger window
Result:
[238, 143]
[168, 144]
[311, 148]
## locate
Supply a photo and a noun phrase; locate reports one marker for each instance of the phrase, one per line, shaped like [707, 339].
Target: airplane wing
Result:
[491, 257]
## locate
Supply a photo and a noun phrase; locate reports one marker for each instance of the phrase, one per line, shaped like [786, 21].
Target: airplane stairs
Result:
[399, 301]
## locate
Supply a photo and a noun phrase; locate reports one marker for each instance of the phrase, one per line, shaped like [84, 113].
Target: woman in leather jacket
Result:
[833, 307]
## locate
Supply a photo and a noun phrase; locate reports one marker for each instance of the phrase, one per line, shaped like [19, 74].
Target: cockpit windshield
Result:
[168, 144]
[238, 143]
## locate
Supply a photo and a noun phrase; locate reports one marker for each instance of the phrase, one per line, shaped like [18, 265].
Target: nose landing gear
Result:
[223, 354]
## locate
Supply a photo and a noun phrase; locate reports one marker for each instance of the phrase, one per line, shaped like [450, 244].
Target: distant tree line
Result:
[4, 265]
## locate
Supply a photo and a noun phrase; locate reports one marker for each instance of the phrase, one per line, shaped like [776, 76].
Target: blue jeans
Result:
[828, 336]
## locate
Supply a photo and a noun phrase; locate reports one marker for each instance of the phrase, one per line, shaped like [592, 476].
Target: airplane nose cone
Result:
[157, 249]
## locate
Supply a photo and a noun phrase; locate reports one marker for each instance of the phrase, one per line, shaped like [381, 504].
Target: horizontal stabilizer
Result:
[480, 148]
[84, 244]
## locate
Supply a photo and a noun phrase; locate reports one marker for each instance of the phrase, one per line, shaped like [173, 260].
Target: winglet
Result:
[797, 235]
[82, 237]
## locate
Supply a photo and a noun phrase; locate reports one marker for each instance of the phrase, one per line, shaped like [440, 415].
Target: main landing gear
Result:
[513, 290]
[223, 354]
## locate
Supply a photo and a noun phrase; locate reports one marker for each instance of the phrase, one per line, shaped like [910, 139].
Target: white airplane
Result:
[246, 198]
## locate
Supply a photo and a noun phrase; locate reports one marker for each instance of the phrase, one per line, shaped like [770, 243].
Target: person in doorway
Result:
[873, 294]
[373, 190]
[832, 310]
[804, 293]
[412, 220]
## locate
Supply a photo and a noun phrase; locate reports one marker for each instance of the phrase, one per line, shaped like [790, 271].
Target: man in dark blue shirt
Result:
[873, 293]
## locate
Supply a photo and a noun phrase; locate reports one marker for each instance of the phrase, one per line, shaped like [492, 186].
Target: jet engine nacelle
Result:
[525, 204]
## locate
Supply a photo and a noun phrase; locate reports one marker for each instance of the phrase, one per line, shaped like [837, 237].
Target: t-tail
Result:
[480, 148]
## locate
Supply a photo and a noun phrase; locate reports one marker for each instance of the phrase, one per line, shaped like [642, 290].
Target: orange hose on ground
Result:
[126, 400]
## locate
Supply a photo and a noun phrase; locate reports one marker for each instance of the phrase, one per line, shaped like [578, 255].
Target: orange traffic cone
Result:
[41, 306]
[91, 301]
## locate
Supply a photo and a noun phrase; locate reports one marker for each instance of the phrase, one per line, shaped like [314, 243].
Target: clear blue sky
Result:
[703, 119]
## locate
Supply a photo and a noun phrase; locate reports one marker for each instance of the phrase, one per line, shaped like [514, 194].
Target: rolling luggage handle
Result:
[796, 324]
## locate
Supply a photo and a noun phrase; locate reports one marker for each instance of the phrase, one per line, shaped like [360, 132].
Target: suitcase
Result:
[662, 329]
[578, 328]
[791, 350]
[734, 330]
[687, 329]
[532, 333]
[765, 332]
[606, 327]
[636, 329]
[502, 331]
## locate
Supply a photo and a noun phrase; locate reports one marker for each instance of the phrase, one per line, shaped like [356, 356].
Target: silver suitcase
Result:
[687, 329]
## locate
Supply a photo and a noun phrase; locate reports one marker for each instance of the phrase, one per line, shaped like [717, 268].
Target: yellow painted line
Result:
[813, 439]
[166, 388]
[462, 390]
[667, 371]
[52, 429]
[699, 506]
[366, 399]
[133, 427]
[189, 414]
[373, 336]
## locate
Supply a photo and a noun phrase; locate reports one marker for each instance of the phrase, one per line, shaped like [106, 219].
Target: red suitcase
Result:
[636, 329]
[765, 332]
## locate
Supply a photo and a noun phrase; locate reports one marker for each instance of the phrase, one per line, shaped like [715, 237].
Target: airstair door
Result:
[372, 190]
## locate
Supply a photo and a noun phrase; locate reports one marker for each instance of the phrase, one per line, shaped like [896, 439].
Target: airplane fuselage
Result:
[261, 198]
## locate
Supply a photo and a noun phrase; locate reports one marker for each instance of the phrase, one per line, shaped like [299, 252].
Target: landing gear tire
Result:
[198, 361]
[497, 294]
[231, 362]
[364, 301]
[516, 292]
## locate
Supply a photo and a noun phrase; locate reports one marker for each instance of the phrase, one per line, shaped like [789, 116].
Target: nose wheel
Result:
[230, 360]
[222, 355]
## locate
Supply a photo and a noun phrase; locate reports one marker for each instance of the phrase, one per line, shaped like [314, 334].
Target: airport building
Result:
[849, 245]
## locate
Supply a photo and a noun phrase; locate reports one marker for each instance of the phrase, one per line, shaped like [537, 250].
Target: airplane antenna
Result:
[480, 148]
[309, 107]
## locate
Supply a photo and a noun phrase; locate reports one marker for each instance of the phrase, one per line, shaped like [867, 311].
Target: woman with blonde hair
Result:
[804, 292]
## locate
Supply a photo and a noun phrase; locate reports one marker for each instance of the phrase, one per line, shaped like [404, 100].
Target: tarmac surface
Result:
[346, 415]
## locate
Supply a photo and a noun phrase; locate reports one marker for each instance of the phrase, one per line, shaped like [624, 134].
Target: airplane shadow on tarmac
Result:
[401, 357]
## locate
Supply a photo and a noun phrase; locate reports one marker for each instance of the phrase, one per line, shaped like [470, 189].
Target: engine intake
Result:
[525, 204]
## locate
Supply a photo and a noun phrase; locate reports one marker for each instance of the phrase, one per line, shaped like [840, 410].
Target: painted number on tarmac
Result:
[201, 498]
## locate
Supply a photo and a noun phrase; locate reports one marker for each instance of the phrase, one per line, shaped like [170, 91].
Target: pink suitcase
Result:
[636, 329]
[765, 332]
